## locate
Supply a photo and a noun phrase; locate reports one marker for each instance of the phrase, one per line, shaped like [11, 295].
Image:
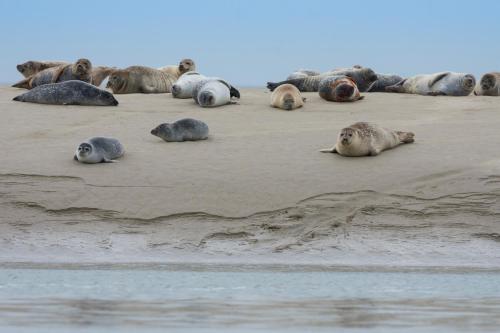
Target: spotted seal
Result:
[212, 92]
[339, 88]
[182, 130]
[301, 73]
[287, 97]
[489, 85]
[445, 83]
[99, 150]
[31, 67]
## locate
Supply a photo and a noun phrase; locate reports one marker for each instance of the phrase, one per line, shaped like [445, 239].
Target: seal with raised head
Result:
[445, 83]
[489, 85]
[183, 87]
[71, 92]
[140, 79]
[339, 88]
[32, 67]
[182, 130]
[186, 65]
[212, 92]
[383, 81]
[363, 77]
[99, 150]
[287, 97]
[80, 70]
[301, 73]
[100, 73]
[365, 139]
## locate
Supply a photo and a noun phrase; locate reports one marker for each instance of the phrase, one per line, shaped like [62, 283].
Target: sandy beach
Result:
[258, 190]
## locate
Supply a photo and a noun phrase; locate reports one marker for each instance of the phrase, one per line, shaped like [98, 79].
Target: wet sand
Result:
[258, 191]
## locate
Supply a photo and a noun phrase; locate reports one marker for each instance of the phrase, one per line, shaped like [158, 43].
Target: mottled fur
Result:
[182, 130]
[99, 150]
[140, 79]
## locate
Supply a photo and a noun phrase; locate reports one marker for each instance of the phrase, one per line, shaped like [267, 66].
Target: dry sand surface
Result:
[257, 190]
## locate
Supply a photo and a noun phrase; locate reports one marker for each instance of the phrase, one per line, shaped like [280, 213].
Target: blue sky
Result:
[251, 42]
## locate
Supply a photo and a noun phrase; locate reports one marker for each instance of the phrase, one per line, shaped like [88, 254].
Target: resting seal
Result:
[301, 73]
[212, 92]
[182, 130]
[99, 150]
[183, 87]
[72, 92]
[383, 81]
[489, 85]
[100, 73]
[363, 77]
[186, 65]
[32, 67]
[140, 79]
[80, 70]
[445, 83]
[365, 139]
[287, 97]
[339, 88]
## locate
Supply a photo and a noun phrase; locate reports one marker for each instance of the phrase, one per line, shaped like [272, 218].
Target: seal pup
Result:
[80, 70]
[212, 92]
[100, 73]
[71, 92]
[32, 67]
[339, 88]
[183, 87]
[445, 83]
[383, 81]
[301, 73]
[365, 139]
[363, 77]
[99, 150]
[489, 85]
[140, 79]
[287, 97]
[186, 65]
[182, 130]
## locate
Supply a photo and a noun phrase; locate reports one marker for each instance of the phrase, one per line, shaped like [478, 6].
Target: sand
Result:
[258, 190]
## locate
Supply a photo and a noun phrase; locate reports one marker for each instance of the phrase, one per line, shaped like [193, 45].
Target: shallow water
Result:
[226, 299]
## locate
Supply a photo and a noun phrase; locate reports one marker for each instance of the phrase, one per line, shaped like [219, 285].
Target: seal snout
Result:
[344, 91]
[176, 90]
[154, 131]
[20, 68]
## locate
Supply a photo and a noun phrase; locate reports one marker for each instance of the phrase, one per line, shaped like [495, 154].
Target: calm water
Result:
[221, 299]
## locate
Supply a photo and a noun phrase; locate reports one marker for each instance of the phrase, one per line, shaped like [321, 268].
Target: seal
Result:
[99, 150]
[100, 73]
[363, 77]
[302, 73]
[186, 65]
[182, 130]
[445, 83]
[80, 70]
[140, 79]
[32, 67]
[287, 97]
[183, 87]
[489, 85]
[339, 88]
[71, 92]
[212, 92]
[365, 139]
[383, 81]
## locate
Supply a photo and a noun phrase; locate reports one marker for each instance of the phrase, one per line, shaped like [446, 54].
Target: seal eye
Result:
[350, 135]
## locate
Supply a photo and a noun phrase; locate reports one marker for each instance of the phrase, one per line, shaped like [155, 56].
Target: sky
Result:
[255, 41]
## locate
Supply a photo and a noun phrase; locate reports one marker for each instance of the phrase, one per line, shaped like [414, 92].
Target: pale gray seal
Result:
[363, 77]
[287, 97]
[80, 70]
[186, 65]
[99, 150]
[383, 81]
[365, 139]
[182, 130]
[32, 67]
[183, 87]
[72, 92]
[489, 85]
[339, 88]
[140, 79]
[445, 83]
[212, 92]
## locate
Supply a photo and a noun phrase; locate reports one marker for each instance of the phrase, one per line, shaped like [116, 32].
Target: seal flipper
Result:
[75, 158]
[438, 77]
[233, 92]
[396, 88]
[436, 93]
[23, 84]
[329, 150]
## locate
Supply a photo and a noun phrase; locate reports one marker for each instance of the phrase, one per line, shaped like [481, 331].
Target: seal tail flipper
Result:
[406, 137]
[17, 98]
[396, 88]
[233, 92]
[272, 85]
[329, 150]
[23, 84]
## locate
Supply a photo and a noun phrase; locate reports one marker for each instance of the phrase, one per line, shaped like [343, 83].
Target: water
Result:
[227, 299]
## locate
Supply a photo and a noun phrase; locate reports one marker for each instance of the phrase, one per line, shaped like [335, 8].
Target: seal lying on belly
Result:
[383, 81]
[445, 83]
[301, 73]
[140, 79]
[489, 85]
[72, 92]
[365, 139]
[339, 88]
[32, 67]
[287, 97]
[363, 77]
[212, 92]
[183, 87]
[99, 150]
[186, 65]
[80, 70]
[182, 130]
